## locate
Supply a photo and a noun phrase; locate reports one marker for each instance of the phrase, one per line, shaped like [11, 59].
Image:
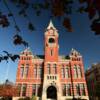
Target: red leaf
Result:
[67, 24]
[4, 21]
[92, 12]
[82, 1]
[96, 28]
[57, 8]
[97, 3]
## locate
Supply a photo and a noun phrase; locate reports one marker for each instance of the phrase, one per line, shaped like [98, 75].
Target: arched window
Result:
[64, 89]
[48, 69]
[22, 71]
[34, 89]
[67, 72]
[24, 86]
[82, 87]
[51, 40]
[19, 89]
[79, 72]
[40, 72]
[26, 70]
[39, 90]
[35, 71]
[63, 72]
[68, 88]
[78, 89]
[55, 68]
[51, 52]
[75, 72]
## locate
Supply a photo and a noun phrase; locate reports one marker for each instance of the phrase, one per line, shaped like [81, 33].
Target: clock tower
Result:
[51, 81]
[51, 44]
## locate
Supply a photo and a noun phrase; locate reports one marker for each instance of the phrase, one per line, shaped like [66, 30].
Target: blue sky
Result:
[82, 39]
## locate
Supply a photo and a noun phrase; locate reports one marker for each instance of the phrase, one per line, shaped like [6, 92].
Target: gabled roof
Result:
[74, 53]
[63, 57]
[27, 50]
[38, 56]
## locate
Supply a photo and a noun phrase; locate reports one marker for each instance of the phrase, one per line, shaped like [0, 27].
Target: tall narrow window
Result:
[24, 86]
[62, 72]
[39, 90]
[35, 71]
[79, 72]
[82, 87]
[55, 68]
[75, 72]
[64, 89]
[40, 72]
[48, 69]
[26, 70]
[78, 89]
[67, 73]
[19, 89]
[51, 52]
[34, 89]
[68, 88]
[22, 72]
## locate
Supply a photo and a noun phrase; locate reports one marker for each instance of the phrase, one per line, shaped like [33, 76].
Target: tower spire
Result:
[51, 25]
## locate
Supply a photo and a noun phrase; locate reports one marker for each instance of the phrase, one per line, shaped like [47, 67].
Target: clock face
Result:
[51, 31]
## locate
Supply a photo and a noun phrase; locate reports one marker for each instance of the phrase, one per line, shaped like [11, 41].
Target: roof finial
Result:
[50, 25]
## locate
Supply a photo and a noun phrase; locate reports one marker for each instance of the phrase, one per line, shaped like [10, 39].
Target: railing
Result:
[52, 77]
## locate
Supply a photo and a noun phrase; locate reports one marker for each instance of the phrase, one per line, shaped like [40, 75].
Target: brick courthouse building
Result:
[50, 76]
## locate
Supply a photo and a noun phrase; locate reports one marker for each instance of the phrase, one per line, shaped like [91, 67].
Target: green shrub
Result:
[26, 98]
[33, 98]
[6, 98]
[21, 99]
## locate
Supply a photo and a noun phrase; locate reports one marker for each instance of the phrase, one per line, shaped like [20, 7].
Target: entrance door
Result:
[52, 93]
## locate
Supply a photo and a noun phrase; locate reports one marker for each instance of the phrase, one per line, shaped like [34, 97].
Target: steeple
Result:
[51, 25]
[51, 30]
[51, 43]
